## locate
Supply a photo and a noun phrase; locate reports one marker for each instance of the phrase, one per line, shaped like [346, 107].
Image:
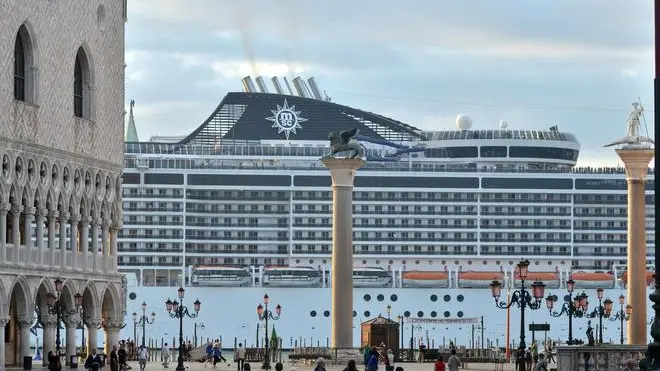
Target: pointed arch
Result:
[83, 77]
[20, 294]
[83, 208]
[13, 195]
[25, 61]
[25, 197]
[111, 304]
[38, 200]
[50, 204]
[91, 300]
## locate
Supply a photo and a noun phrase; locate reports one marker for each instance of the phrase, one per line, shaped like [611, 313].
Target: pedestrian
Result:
[320, 365]
[209, 354]
[143, 355]
[439, 364]
[453, 361]
[351, 366]
[165, 355]
[239, 356]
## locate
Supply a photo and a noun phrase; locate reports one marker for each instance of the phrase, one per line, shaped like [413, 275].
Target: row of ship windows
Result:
[380, 196]
[420, 314]
[380, 210]
[254, 222]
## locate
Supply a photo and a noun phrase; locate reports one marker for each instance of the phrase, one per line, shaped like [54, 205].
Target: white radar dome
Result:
[463, 122]
[503, 124]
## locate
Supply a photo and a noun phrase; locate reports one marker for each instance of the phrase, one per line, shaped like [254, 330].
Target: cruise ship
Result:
[241, 207]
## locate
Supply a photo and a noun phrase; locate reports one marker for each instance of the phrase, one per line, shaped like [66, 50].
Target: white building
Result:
[61, 143]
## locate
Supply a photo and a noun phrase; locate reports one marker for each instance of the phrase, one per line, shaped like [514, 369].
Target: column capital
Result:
[49, 320]
[52, 214]
[74, 218]
[342, 170]
[636, 162]
[105, 223]
[86, 219]
[72, 320]
[4, 321]
[42, 213]
[113, 324]
[29, 211]
[5, 207]
[64, 215]
[16, 209]
[25, 321]
[93, 322]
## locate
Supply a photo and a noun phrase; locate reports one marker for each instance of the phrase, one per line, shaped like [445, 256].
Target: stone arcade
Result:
[61, 150]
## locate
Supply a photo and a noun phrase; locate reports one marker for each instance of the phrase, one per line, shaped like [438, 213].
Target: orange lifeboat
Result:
[478, 279]
[426, 279]
[593, 280]
[649, 277]
[550, 279]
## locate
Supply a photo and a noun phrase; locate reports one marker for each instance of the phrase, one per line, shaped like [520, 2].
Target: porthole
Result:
[434, 314]
[367, 314]
[391, 262]
[536, 262]
[434, 298]
[297, 261]
[469, 262]
[416, 261]
[366, 297]
[380, 297]
[326, 313]
[420, 314]
[447, 314]
[393, 297]
[460, 314]
[325, 261]
[403, 262]
[446, 298]
[311, 261]
[549, 262]
[354, 314]
[132, 296]
[443, 262]
[484, 262]
[377, 262]
[406, 314]
[364, 262]
[312, 313]
[460, 298]
[456, 262]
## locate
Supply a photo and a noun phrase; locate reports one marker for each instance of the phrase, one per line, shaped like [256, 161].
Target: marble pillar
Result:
[636, 162]
[73, 240]
[4, 208]
[24, 324]
[112, 256]
[95, 243]
[112, 328]
[71, 324]
[92, 333]
[28, 217]
[49, 323]
[342, 172]
[16, 229]
[52, 220]
[84, 242]
[3, 323]
[41, 217]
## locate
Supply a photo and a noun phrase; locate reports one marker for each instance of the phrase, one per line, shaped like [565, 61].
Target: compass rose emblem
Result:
[286, 119]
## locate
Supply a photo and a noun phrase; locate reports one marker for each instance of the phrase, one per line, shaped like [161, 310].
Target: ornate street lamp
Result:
[142, 321]
[55, 306]
[176, 309]
[599, 312]
[520, 297]
[389, 311]
[620, 315]
[572, 307]
[264, 314]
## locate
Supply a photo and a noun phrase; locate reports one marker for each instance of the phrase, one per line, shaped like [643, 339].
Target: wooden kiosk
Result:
[378, 331]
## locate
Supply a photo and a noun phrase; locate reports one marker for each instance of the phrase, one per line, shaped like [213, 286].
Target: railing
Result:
[20, 256]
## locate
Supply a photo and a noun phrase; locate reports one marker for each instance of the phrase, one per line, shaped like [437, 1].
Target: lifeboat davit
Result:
[649, 277]
[478, 280]
[550, 279]
[426, 279]
[593, 280]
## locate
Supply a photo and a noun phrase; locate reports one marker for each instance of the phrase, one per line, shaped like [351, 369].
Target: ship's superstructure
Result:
[243, 203]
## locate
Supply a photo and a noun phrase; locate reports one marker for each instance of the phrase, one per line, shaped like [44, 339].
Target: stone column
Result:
[64, 217]
[41, 216]
[16, 229]
[113, 246]
[28, 217]
[342, 172]
[92, 333]
[52, 219]
[3, 323]
[111, 328]
[49, 321]
[71, 323]
[74, 221]
[84, 242]
[24, 323]
[105, 243]
[636, 161]
[95, 243]
[3, 239]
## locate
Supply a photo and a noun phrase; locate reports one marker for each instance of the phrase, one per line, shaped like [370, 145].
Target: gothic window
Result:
[82, 104]
[23, 66]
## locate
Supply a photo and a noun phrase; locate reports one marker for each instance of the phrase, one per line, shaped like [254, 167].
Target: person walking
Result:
[114, 359]
[143, 355]
[209, 354]
[165, 355]
[239, 356]
[453, 361]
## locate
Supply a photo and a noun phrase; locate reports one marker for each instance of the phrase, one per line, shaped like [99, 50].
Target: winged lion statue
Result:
[345, 142]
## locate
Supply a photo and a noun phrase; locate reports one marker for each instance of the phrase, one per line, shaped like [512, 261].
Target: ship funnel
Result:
[262, 85]
[248, 85]
[287, 85]
[300, 86]
[278, 87]
[316, 93]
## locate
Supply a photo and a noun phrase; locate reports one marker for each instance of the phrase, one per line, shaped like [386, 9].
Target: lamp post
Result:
[264, 314]
[520, 297]
[620, 315]
[400, 319]
[177, 310]
[572, 307]
[55, 306]
[412, 335]
[201, 327]
[142, 321]
[389, 311]
[599, 312]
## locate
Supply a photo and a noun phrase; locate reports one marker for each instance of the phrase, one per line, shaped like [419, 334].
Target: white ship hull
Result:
[230, 313]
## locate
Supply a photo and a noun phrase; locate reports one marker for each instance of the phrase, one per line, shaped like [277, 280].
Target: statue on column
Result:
[343, 142]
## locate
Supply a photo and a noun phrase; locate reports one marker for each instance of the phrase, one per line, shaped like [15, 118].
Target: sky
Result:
[535, 64]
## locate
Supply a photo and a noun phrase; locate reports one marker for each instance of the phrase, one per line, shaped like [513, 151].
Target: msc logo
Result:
[286, 119]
